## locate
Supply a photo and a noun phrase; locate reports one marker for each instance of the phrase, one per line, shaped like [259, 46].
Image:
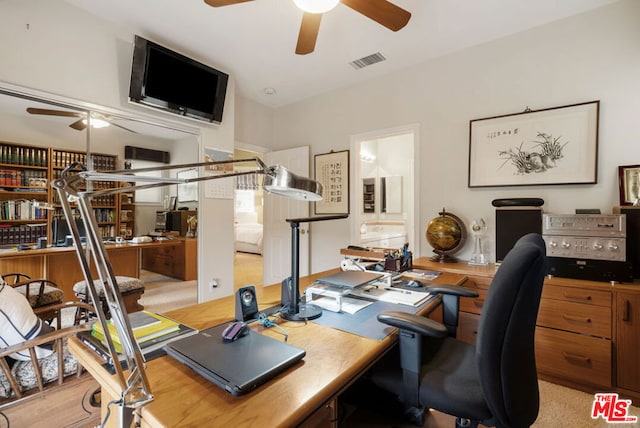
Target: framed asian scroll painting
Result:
[537, 147]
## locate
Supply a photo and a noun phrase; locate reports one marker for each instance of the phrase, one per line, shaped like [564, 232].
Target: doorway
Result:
[248, 225]
[385, 191]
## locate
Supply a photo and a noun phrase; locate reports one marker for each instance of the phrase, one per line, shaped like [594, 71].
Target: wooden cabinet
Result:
[587, 334]
[177, 259]
[573, 334]
[628, 340]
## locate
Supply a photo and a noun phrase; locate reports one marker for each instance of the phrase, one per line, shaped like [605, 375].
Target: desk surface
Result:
[334, 359]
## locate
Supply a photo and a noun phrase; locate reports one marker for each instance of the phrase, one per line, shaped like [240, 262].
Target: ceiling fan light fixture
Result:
[316, 6]
[97, 123]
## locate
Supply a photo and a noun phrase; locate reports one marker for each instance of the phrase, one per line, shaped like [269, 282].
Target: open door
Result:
[277, 232]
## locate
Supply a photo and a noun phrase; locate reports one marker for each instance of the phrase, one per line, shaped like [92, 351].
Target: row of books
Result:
[23, 234]
[152, 331]
[100, 162]
[27, 177]
[30, 156]
[21, 210]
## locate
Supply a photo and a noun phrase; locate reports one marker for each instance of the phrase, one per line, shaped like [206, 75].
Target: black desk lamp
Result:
[301, 311]
[71, 188]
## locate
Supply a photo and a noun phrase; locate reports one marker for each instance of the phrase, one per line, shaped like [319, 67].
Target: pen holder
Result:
[399, 264]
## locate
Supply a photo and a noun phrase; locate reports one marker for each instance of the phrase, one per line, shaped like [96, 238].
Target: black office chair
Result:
[495, 382]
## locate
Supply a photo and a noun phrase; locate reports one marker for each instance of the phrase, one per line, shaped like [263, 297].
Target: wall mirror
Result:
[29, 119]
[385, 169]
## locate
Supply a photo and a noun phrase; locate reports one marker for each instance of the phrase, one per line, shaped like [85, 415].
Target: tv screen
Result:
[169, 81]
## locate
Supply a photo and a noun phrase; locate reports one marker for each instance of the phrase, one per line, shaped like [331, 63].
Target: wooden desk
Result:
[301, 395]
[60, 264]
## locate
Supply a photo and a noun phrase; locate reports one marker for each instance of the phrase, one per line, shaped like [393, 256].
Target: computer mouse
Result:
[413, 284]
[234, 331]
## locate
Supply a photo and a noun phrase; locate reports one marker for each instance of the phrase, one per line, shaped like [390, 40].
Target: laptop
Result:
[237, 367]
[350, 278]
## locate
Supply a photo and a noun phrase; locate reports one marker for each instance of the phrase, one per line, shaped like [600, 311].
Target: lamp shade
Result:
[280, 181]
[316, 6]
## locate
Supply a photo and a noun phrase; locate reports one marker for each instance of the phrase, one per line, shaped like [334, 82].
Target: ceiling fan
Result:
[98, 120]
[381, 11]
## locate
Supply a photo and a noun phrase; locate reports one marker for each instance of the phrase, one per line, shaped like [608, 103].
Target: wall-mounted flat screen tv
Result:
[169, 81]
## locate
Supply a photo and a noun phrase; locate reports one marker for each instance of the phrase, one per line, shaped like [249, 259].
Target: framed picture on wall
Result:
[332, 171]
[629, 180]
[551, 146]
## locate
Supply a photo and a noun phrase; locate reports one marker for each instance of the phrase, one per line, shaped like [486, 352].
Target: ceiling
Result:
[255, 41]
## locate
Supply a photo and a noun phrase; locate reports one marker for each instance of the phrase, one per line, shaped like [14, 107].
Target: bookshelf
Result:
[24, 181]
[126, 212]
[104, 207]
[25, 174]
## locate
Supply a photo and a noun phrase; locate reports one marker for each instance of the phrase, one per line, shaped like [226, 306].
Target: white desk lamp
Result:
[70, 186]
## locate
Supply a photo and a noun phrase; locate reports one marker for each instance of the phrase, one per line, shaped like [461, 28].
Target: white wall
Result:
[52, 47]
[594, 56]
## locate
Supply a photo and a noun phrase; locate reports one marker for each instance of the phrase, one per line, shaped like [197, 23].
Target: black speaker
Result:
[246, 303]
[633, 236]
[513, 223]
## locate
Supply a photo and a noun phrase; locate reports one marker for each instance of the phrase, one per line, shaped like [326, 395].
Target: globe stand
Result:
[443, 257]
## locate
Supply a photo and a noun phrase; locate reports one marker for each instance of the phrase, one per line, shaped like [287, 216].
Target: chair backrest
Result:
[506, 333]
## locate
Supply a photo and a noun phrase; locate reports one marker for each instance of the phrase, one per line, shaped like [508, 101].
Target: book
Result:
[150, 349]
[146, 326]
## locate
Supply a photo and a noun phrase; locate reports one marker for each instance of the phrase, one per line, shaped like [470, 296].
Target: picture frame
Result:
[629, 181]
[188, 192]
[332, 171]
[550, 146]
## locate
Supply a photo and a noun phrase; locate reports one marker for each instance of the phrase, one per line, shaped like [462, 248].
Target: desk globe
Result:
[446, 234]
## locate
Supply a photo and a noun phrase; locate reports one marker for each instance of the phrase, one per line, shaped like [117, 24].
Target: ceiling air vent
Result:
[367, 60]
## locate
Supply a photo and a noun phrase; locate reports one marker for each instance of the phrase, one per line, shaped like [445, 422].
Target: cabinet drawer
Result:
[579, 358]
[577, 295]
[468, 327]
[575, 317]
[473, 305]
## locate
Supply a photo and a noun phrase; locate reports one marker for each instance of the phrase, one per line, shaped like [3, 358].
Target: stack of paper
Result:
[391, 295]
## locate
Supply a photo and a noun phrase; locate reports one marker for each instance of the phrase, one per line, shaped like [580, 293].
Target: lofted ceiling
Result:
[255, 41]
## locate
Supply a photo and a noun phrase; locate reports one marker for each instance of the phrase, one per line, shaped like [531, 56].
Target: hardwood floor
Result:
[247, 270]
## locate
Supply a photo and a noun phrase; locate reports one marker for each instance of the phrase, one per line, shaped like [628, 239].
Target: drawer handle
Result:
[574, 318]
[576, 297]
[576, 357]
[478, 302]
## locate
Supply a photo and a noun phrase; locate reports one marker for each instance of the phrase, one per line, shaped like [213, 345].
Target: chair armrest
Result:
[65, 305]
[415, 323]
[454, 290]
[45, 338]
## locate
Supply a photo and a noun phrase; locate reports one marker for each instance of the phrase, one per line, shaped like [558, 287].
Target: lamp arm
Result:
[135, 388]
[74, 180]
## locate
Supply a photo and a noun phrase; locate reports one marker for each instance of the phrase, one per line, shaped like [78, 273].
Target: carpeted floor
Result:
[559, 407]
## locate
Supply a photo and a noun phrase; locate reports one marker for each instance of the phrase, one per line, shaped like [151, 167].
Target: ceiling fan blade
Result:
[308, 33]
[49, 112]
[219, 3]
[78, 125]
[381, 11]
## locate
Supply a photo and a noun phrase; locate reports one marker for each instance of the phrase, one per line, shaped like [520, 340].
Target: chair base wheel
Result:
[415, 415]
[465, 423]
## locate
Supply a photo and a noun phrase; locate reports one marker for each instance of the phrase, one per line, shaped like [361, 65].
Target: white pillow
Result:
[18, 323]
